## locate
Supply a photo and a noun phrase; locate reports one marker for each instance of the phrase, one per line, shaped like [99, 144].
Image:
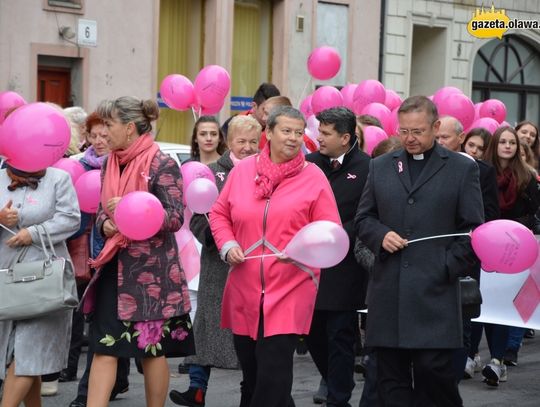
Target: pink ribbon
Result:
[528, 297]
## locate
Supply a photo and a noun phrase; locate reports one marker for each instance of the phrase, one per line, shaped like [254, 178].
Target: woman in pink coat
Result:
[269, 301]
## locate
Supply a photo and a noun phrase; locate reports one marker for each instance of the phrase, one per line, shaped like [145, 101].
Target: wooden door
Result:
[54, 85]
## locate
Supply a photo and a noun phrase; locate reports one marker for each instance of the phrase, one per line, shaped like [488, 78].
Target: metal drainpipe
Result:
[381, 39]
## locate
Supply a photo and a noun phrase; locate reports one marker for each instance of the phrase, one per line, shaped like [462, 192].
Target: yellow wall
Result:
[180, 51]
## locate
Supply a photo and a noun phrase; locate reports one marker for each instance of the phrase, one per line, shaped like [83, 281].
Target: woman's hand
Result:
[111, 205]
[9, 217]
[109, 228]
[284, 258]
[235, 256]
[22, 238]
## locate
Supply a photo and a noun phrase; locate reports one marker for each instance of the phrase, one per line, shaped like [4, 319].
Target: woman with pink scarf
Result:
[140, 304]
[268, 302]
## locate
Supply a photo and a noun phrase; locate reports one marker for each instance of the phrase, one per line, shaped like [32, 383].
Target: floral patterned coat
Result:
[151, 282]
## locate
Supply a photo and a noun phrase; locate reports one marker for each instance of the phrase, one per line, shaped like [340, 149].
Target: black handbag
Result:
[471, 297]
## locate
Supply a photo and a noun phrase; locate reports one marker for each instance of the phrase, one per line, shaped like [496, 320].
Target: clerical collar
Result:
[423, 156]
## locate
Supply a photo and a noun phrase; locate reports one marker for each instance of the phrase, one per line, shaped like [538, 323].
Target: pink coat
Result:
[286, 291]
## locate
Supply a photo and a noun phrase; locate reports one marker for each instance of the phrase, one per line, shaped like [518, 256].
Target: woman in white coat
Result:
[33, 347]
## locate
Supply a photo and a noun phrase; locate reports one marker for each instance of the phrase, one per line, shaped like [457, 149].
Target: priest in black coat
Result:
[414, 310]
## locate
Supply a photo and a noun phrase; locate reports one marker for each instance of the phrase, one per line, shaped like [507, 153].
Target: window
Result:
[509, 70]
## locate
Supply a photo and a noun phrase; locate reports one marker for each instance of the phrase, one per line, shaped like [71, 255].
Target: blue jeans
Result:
[515, 337]
[199, 376]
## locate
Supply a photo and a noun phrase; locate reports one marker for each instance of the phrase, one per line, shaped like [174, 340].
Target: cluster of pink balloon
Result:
[33, 136]
[87, 184]
[451, 101]
[206, 96]
[200, 191]
[368, 97]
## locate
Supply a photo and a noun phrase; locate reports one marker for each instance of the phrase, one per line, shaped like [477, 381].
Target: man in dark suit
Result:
[451, 136]
[414, 312]
[335, 322]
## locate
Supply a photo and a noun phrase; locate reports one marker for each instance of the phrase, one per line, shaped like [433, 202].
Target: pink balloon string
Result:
[438, 237]
[303, 92]
[263, 256]
[528, 297]
[194, 114]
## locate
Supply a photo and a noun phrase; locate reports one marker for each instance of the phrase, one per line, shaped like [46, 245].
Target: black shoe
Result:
[118, 390]
[529, 333]
[183, 368]
[67, 375]
[510, 357]
[193, 397]
[301, 347]
[80, 401]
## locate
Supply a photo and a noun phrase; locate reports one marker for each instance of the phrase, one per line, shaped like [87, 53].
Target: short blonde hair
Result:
[243, 123]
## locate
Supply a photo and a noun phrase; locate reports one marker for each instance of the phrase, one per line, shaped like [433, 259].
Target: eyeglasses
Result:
[412, 132]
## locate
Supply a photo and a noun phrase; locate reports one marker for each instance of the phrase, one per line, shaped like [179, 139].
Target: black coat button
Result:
[410, 201]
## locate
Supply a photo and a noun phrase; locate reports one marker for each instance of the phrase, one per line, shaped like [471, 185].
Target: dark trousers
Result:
[122, 373]
[267, 369]
[331, 344]
[431, 371]
[370, 397]
[461, 354]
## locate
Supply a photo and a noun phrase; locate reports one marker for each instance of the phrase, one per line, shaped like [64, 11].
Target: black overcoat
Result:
[413, 294]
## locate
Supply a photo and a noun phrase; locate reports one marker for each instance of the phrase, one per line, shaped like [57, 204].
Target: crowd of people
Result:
[255, 304]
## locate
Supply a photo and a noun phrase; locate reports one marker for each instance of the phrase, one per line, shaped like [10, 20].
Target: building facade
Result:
[427, 46]
[79, 52]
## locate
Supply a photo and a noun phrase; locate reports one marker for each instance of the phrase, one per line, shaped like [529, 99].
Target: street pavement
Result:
[522, 388]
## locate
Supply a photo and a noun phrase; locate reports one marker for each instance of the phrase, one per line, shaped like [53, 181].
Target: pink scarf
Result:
[270, 174]
[137, 160]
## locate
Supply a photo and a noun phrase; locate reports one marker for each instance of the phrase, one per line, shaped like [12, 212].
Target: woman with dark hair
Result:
[141, 304]
[527, 131]
[519, 199]
[476, 142]
[207, 140]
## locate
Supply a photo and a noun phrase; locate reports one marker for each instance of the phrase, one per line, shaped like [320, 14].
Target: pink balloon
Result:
[477, 107]
[493, 108]
[393, 123]
[323, 63]
[443, 93]
[305, 106]
[487, 123]
[504, 124]
[211, 110]
[177, 91]
[73, 167]
[504, 246]
[348, 95]
[459, 106]
[9, 100]
[88, 189]
[382, 113]
[373, 135]
[139, 215]
[212, 85]
[326, 97]
[201, 194]
[392, 99]
[193, 170]
[34, 136]
[368, 91]
[319, 244]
